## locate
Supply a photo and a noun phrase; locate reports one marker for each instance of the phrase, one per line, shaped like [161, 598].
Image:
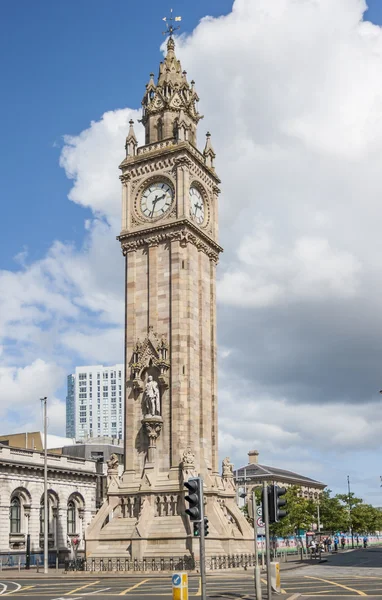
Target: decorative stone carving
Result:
[152, 398]
[153, 427]
[227, 467]
[112, 470]
[188, 464]
[152, 352]
[112, 464]
[184, 232]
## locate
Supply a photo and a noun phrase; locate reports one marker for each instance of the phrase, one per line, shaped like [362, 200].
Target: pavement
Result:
[351, 574]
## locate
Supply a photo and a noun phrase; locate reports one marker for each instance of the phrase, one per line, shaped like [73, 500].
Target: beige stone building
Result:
[72, 489]
[254, 474]
[169, 239]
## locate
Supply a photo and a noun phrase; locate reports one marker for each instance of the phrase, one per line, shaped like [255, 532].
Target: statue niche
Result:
[149, 376]
[151, 398]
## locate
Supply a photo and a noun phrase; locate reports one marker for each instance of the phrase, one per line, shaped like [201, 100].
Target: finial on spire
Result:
[169, 24]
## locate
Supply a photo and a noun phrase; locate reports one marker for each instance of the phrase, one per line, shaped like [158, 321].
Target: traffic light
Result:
[196, 525]
[275, 502]
[194, 499]
[205, 527]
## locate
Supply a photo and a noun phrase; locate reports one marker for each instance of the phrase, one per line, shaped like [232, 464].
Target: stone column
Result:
[4, 528]
[62, 527]
[34, 526]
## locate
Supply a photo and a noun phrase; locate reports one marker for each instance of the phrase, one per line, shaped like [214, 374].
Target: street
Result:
[349, 574]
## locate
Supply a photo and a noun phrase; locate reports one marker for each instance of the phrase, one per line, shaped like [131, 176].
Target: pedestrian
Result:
[329, 544]
[365, 540]
[325, 544]
[357, 541]
[313, 548]
[336, 542]
[343, 543]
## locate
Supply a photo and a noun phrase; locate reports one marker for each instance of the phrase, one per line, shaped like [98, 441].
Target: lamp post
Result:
[350, 517]
[46, 507]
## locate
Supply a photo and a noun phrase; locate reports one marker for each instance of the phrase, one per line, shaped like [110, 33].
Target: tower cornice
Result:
[183, 231]
[166, 148]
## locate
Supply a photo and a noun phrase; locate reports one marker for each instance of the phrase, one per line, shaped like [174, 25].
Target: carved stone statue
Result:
[227, 467]
[112, 464]
[188, 459]
[152, 397]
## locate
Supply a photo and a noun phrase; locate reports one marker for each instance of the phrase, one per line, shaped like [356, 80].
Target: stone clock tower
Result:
[169, 240]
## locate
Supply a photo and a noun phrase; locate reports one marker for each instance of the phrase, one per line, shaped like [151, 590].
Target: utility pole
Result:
[267, 540]
[318, 516]
[202, 542]
[257, 566]
[350, 515]
[46, 507]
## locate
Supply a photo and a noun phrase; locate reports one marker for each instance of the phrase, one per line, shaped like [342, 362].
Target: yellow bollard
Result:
[275, 577]
[179, 586]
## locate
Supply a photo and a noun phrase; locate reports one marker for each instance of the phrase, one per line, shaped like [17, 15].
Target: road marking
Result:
[81, 588]
[295, 596]
[199, 592]
[344, 587]
[18, 587]
[96, 592]
[4, 588]
[133, 587]
[27, 587]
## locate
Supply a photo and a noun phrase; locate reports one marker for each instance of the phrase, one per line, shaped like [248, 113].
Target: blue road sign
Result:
[176, 580]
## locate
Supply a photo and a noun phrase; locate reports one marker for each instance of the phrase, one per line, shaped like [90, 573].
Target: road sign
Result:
[260, 522]
[259, 511]
[180, 586]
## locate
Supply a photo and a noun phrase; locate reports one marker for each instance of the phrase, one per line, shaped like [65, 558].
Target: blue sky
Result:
[292, 98]
[64, 64]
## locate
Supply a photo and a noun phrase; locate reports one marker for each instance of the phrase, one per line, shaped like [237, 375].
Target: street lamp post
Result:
[350, 516]
[46, 507]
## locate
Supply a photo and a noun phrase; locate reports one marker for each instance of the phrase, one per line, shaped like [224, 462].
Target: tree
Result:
[301, 513]
[366, 519]
[333, 513]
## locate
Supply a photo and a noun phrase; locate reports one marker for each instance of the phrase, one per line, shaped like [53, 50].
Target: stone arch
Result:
[75, 509]
[19, 512]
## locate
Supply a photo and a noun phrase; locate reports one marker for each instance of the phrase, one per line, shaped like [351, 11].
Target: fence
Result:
[185, 563]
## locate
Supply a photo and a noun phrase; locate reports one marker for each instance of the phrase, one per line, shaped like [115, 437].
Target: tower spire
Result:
[170, 106]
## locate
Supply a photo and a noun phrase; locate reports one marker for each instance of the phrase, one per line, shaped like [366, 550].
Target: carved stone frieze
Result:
[183, 231]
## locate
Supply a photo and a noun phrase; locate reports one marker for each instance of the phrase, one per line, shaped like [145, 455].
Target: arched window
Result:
[71, 518]
[15, 515]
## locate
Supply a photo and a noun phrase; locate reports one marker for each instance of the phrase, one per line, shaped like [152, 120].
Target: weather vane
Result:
[169, 24]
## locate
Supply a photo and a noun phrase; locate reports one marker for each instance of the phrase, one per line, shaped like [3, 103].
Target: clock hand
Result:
[154, 203]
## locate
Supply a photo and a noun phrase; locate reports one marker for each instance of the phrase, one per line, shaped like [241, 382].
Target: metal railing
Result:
[185, 563]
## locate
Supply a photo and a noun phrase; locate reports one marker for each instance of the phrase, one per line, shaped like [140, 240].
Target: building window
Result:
[42, 517]
[15, 515]
[71, 520]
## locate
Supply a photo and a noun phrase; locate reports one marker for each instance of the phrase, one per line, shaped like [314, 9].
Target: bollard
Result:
[275, 577]
[258, 583]
[179, 586]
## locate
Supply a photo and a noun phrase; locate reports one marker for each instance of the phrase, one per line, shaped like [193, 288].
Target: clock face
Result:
[156, 200]
[196, 205]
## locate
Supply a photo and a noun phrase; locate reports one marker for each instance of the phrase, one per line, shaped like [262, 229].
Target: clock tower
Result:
[169, 239]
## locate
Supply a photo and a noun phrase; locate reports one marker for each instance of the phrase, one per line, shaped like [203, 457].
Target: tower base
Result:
[139, 522]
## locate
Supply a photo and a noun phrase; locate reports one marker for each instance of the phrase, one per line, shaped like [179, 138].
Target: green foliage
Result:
[334, 516]
[363, 518]
[302, 513]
